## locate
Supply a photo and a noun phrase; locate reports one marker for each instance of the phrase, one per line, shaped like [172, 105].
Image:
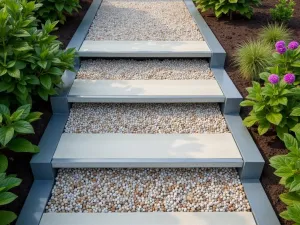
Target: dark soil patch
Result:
[230, 34]
[19, 163]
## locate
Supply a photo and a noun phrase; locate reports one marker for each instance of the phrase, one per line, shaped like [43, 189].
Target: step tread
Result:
[154, 218]
[136, 150]
[144, 49]
[145, 90]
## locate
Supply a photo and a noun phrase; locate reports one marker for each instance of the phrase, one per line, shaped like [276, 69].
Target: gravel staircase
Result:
[146, 113]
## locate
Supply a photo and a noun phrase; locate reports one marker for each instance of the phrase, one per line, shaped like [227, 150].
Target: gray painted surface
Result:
[145, 49]
[41, 163]
[260, 205]
[253, 161]
[233, 96]
[151, 218]
[218, 53]
[35, 203]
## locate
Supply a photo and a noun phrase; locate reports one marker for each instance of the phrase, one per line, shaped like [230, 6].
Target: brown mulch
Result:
[19, 163]
[231, 34]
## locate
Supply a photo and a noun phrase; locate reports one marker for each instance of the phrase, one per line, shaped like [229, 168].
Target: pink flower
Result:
[289, 78]
[273, 78]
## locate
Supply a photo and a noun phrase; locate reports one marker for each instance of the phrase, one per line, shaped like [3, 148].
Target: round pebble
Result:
[148, 190]
[182, 69]
[136, 20]
[145, 118]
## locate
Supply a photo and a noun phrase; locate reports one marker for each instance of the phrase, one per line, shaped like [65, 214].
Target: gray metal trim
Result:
[218, 53]
[35, 203]
[148, 99]
[233, 96]
[145, 163]
[253, 161]
[261, 207]
[41, 162]
[144, 54]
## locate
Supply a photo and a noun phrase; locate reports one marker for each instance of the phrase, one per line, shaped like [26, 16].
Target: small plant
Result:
[31, 62]
[283, 11]
[274, 32]
[6, 197]
[57, 9]
[227, 7]
[288, 169]
[252, 58]
[14, 125]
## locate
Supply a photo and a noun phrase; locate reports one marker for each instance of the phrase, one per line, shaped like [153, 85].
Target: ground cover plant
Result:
[228, 7]
[57, 10]
[283, 11]
[31, 61]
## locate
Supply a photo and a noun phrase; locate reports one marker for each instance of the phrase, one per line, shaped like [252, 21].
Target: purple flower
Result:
[281, 50]
[280, 44]
[273, 78]
[293, 45]
[289, 78]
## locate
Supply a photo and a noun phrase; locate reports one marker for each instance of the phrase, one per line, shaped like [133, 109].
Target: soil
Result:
[19, 163]
[232, 33]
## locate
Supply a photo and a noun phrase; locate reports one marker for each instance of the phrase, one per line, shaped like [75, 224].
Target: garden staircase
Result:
[78, 150]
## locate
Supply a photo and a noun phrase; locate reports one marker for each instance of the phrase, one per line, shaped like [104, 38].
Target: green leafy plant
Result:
[273, 106]
[11, 127]
[31, 61]
[227, 7]
[6, 197]
[283, 11]
[274, 32]
[252, 58]
[57, 9]
[287, 167]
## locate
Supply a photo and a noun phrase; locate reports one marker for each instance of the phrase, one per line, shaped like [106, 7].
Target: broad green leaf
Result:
[7, 197]
[247, 103]
[3, 163]
[284, 171]
[285, 215]
[10, 182]
[26, 110]
[295, 111]
[17, 115]
[7, 217]
[274, 118]
[258, 107]
[55, 71]
[250, 121]
[263, 127]
[21, 145]
[281, 131]
[295, 186]
[291, 143]
[23, 127]
[14, 73]
[46, 81]
[290, 198]
[278, 161]
[6, 134]
[34, 116]
[294, 212]
[4, 110]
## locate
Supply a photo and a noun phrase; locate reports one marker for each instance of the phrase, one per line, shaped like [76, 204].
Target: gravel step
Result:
[146, 118]
[136, 20]
[153, 91]
[234, 218]
[177, 69]
[145, 49]
[148, 190]
[146, 150]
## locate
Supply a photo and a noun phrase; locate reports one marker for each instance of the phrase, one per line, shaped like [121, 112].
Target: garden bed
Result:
[148, 190]
[230, 34]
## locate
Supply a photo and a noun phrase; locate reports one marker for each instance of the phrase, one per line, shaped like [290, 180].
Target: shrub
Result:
[14, 125]
[227, 7]
[31, 62]
[252, 58]
[283, 11]
[6, 197]
[287, 168]
[57, 9]
[275, 32]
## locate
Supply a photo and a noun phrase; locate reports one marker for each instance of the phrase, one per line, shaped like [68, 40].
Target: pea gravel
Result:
[138, 20]
[148, 190]
[145, 118]
[101, 69]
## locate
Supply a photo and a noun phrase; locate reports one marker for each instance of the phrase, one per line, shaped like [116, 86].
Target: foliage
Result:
[227, 7]
[283, 11]
[273, 32]
[252, 58]
[57, 9]
[287, 167]
[31, 62]
[6, 197]
[13, 125]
